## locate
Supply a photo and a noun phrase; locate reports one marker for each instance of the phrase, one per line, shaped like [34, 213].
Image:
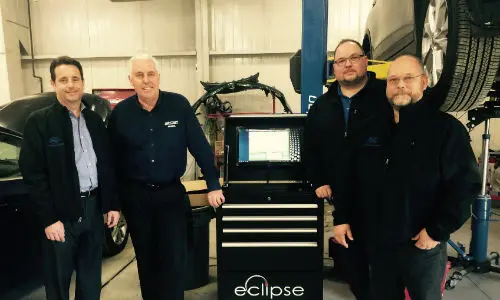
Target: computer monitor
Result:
[269, 145]
[264, 147]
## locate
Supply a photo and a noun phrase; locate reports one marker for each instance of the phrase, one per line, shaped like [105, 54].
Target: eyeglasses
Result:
[407, 79]
[354, 59]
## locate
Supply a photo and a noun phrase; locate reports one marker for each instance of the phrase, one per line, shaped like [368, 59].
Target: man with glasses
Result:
[420, 170]
[337, 116]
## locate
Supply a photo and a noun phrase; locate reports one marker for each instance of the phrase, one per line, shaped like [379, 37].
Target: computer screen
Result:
[268, 145]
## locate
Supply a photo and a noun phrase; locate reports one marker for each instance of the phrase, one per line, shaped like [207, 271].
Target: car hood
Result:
[14, 115]
[7, 131]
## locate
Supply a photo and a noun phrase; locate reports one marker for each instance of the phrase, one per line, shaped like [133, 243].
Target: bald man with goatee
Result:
[420, 170]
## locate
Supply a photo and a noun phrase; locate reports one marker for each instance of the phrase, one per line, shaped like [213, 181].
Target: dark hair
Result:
[343, 41]
[64, 60]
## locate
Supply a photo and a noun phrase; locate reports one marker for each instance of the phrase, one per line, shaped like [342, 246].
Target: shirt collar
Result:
[158, 103]
[339, 90]
[82, 107]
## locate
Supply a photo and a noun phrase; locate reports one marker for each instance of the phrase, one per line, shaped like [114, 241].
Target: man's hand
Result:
[339, 233]
[112, 218]
[424, 241]
[55, 232]
[324, 191]
[216, 198]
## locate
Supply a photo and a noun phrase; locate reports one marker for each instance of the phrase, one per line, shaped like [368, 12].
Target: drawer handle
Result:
[271, 244]
[275, 218]
[270, 230]
[241, 206]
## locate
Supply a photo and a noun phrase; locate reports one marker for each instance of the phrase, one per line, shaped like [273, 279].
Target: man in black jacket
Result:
[339, 115]
[421, 172]
[65, 160]
[152, 131]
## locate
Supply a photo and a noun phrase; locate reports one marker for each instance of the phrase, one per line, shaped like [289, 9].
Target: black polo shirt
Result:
[151, 147]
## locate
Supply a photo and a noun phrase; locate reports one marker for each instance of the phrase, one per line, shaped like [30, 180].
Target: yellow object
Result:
[197, 192]
[379, 67]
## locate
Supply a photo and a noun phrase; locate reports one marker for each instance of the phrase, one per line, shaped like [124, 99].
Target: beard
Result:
[352, 79]
[401, 99]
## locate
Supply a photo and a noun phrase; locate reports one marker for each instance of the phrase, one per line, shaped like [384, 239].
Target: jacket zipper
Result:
[355, 112]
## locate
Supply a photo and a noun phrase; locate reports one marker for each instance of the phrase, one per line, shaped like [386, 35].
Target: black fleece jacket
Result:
[419, 173]
[47, 163]
[326, 132]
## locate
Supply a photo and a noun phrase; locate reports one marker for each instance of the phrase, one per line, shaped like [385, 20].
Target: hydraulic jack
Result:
[478, 260]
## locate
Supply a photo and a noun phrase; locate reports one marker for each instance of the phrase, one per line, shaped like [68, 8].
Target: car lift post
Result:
[314, 56]
[478, 261]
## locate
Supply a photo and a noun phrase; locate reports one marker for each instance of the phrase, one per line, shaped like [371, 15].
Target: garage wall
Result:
[245, 37]
[216, 40]
[14, 36]
[4, 82]
[249, 36]
[177, 74]
[103, 35]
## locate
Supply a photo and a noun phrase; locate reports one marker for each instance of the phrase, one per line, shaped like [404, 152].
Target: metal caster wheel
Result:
[451, 284]
[496, 260]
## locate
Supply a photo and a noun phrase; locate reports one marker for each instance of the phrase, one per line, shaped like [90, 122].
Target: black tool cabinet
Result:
[270, 229]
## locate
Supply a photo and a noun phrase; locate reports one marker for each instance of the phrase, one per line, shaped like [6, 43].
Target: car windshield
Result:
[9, 156]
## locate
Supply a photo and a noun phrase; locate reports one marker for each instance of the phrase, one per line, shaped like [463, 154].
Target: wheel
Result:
[461, 66]
[367, 46]
[115, 239]
[457, 276]
[451, 284]
[496, 258]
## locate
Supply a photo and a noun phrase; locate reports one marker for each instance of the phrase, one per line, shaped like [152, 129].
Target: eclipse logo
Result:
[259, 287]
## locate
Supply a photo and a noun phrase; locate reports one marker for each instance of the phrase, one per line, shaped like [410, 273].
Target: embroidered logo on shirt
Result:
[55, 142]
[372, 141]
[170, 124]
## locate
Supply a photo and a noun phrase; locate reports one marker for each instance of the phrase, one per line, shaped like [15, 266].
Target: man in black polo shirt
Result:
[151, 132]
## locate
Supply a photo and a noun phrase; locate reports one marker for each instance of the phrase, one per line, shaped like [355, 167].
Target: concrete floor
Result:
[120, 274]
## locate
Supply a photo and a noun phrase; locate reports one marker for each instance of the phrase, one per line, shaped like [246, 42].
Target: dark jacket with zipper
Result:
[326, 131]
[419, 173]
[47, 163]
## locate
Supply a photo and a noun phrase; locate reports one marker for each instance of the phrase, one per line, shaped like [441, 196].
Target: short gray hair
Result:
[143, 56]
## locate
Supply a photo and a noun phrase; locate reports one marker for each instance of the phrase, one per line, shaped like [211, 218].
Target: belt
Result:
[89, 193]
[158, 185]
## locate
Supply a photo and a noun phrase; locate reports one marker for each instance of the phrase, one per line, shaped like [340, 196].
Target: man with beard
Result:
[337, 116]
[421, 172]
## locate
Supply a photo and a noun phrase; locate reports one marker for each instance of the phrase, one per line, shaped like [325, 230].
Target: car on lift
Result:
[457, 40]
[21, 233]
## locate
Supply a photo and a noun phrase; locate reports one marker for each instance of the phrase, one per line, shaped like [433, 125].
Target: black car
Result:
[21, 232]
[458, 41]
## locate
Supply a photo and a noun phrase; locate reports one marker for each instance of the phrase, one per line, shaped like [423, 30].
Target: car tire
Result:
[470, 62]
[115, 239]
[367, 46]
